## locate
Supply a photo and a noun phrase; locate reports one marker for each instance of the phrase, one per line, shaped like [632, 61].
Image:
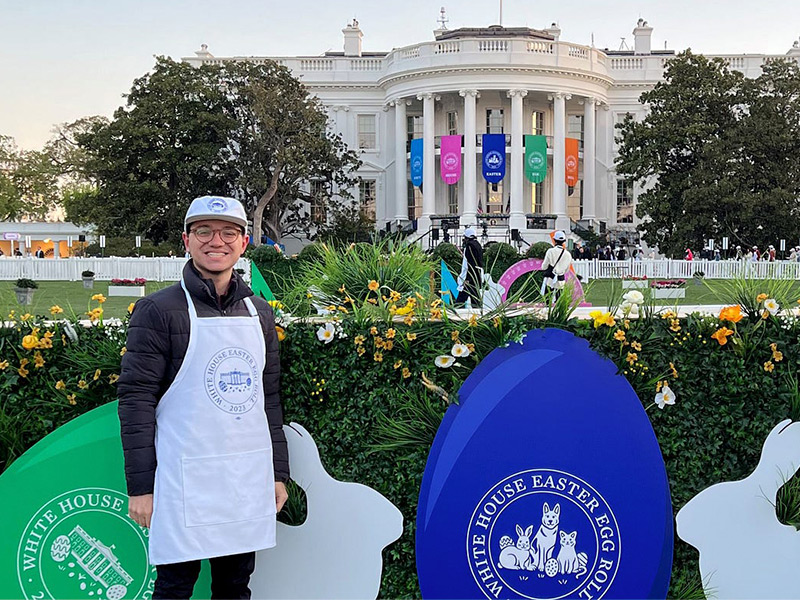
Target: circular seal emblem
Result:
[543, 534]
[571, 162]
[82, 544]
[493, 159]
[535, 160]
[417, 164]
[217, 205]
[232, 380]
[450, 160]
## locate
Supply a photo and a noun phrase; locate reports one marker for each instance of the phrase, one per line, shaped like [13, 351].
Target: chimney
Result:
[641, 37]
[352, 39]
[554, 30]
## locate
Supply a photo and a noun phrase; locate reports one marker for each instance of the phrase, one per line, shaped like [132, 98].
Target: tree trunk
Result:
[258, 214]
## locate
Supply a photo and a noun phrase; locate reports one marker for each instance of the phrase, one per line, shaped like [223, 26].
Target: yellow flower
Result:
[360, 350]
[721, 335]
[96, 375]
[473, 320]
[602, 318]
[497, 321]
[777, 356]
[408, 320]
[761, 297]
[388, 345]
[675, 325]
[71, 399]
[398, 364]
[26, 317]
[82, 384]
[390, 334]
[765, 314]
[404, 310]
[12, 314]
[95, 314]
[436, 313]
[275, 304]
[769, 367]
[23, 372]
[123, 351]
[377, 357]
[56, 310]
[3, 365]
[668, 314]
[130, 307]
[372, 301]
[359, 339]
[60, 385]
[281, 333]
[731, 313]
[99, 297]
[454, 335]
[373, 330]
[29, 342]
[411, 336]
[394, 296]
[406, 373]
[636, 346]
[673, 370]
[619, 335]
[112, 379]
[45, 343]
[38, 360]
[471, 347]
[373, 285]
[378, 342]
[632, 357]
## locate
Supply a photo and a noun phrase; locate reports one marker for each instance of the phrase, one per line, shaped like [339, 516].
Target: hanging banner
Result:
[416, 162]
[451, 159]
[571, 162]
[494, 157]
[535, 158]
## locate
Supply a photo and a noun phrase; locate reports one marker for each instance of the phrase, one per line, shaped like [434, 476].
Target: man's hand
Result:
[281, 495]
[140, 509]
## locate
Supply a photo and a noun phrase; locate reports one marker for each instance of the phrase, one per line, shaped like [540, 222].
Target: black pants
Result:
[230, 576]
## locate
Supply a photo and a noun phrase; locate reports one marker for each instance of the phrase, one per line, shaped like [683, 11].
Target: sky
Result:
[65, 59]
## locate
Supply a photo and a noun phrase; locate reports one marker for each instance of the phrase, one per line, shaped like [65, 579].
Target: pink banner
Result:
[451, 158]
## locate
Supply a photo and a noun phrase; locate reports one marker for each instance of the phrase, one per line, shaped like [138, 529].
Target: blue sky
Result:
[64, 59]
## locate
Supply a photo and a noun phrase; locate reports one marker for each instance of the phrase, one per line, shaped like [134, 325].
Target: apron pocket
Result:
[224, 489]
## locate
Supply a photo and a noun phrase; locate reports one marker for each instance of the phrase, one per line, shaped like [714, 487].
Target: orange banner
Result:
[571, 161]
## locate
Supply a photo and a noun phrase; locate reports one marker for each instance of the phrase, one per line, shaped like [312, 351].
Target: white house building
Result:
[472, 81]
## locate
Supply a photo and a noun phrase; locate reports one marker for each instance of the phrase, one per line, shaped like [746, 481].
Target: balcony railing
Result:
[437, 142]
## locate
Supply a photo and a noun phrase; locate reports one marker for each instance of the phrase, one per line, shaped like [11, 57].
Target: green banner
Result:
[258, 284]
[535, 158]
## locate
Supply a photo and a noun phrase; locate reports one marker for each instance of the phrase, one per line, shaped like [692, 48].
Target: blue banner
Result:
[416, 162]
[494, 157]
[449, 286]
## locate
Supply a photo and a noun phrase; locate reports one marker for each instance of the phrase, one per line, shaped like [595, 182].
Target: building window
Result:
[414, 202]
[537, 123]
[452, 199]
[624, 201]
[414, 127]
[537, 198]
[318, 190]
[452, 123]
[367, 132]
[575, 127]
[366, 196]
[494, 120]
[494, 195]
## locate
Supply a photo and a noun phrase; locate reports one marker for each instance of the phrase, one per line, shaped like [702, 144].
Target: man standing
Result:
[470, 279]
[205, 456]
[556, 263]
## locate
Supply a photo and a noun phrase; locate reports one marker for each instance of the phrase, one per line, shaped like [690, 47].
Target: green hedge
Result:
[728, 396]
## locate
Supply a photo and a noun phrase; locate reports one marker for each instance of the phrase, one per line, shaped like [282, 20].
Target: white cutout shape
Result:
[336, 552]
[745, 552]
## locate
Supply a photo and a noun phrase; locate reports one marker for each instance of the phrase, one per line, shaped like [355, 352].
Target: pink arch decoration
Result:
[529, 265]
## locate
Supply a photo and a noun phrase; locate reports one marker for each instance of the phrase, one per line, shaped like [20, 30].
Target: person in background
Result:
[717, 254]
[771, 253]
[557, 261]
[39, 252]
[470, 278]
[793, 255]
[689, 254]
[739, 253]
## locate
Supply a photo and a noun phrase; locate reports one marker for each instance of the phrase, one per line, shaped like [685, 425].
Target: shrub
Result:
[498, 257]
[87, 274]
[538, 250]
[25, 283]
[449, 254]
[312, 252]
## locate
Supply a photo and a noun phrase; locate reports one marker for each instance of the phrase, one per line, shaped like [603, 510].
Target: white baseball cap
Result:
[216, 208]
[559, 236]
[470, 232]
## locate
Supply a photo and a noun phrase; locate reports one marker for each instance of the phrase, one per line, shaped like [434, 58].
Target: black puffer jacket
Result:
[158, 336]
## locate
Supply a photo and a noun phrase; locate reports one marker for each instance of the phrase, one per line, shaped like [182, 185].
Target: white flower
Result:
[459, 350]
[443, 361]
[326, 333]
[630, 309]
[634, 297]
[772, 306]
[665, 396]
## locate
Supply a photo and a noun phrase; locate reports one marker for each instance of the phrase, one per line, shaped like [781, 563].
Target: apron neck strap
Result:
[251, 307]
[193, 311]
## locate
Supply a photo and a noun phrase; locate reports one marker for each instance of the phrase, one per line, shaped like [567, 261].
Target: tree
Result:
[282, 143]
[168, 145]
[28, 182]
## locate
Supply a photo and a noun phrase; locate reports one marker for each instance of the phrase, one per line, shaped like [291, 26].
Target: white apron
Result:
[214, 486]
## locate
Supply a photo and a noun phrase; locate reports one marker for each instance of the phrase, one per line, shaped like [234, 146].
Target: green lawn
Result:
[69, 295]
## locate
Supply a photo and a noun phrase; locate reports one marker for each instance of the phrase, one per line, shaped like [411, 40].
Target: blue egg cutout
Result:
[546, 481]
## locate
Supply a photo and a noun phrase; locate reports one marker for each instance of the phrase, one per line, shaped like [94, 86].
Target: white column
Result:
[589, 181]
[56, 249]
[517, 219]
[428, 163]
[559, 159]
[400, 166]
[470, 174]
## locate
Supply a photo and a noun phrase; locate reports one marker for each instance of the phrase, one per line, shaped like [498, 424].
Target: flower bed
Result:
[134, 288]
[634, 284]
[668, 284]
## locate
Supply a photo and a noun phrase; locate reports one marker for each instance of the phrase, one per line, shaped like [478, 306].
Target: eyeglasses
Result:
[227, 235]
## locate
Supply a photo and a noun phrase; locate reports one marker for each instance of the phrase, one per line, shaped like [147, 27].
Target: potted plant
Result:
[24, 290]
[88, 279]
[670, 288]
[698, 277]
[634, 282]
[127, 287]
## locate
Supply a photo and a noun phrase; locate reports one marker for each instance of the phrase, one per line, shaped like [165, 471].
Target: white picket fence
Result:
[685, 269]
[104, 269]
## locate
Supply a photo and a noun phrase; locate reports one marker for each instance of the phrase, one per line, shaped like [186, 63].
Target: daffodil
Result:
[602, 318]
[459, 350]
[326, 333]
[130, 307]
[443, 361]
[664, 397]
[772, 306]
